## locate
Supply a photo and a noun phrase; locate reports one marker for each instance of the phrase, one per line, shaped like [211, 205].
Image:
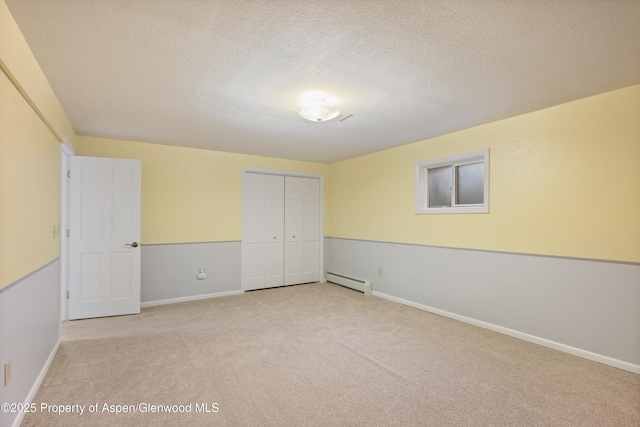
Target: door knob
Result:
[132, 245]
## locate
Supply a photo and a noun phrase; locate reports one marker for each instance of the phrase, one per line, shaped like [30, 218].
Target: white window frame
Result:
[421, 195]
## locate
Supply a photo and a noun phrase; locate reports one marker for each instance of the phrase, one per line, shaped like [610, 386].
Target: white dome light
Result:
[318, 111]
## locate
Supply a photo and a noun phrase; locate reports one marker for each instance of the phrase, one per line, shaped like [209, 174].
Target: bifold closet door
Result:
[280, 230]
[262, 240]
[301, 230]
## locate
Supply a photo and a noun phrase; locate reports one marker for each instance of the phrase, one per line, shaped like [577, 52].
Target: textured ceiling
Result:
[226, 74]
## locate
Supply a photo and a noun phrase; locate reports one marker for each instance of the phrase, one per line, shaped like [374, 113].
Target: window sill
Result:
[453, 210]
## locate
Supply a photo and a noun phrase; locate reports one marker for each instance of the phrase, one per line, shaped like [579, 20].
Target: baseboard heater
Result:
[350, 282]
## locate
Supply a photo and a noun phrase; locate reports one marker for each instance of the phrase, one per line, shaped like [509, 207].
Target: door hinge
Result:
[69, 173]
[67, 294]
[68, 232]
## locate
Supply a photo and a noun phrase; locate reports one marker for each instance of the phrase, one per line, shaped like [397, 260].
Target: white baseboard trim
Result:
[606, 360]
[36, 385]
[191, 298]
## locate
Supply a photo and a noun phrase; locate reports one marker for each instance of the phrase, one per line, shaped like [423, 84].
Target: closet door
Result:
[263, 223]
[281, 237]
[302, 203]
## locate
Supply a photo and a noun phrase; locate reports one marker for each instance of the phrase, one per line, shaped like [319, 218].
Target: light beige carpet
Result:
[321, 355]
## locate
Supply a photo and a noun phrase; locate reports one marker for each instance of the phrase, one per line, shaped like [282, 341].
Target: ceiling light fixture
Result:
[318, 111]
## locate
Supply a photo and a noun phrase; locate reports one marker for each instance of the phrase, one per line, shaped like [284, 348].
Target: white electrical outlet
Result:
[202, 275]
[7, 372]
[379, 271]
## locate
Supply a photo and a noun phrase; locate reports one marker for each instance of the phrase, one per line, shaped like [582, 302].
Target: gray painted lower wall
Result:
[588, 305]
[29, 333]
[169, 272]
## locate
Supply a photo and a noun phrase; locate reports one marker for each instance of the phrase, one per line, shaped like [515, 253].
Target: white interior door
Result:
[104, 237]
[263, 227]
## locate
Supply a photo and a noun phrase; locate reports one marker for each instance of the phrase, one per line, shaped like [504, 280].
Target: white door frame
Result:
[66, 151]
[246, 170]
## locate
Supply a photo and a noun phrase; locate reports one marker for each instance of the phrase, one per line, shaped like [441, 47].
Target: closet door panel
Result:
[293, 231]
[253, 236]
[310, 229]
[263, 229]
[310, 262]
[274, 229]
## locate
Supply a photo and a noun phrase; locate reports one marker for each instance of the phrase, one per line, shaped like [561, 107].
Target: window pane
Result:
[470, 184]
[440, 187]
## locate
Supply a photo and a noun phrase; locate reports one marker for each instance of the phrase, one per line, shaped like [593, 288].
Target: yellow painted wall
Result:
[32, 123]
[192, 195]
[563, 181]
[29, 188]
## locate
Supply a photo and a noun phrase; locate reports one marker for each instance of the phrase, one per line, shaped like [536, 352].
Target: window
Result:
[453, 184]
